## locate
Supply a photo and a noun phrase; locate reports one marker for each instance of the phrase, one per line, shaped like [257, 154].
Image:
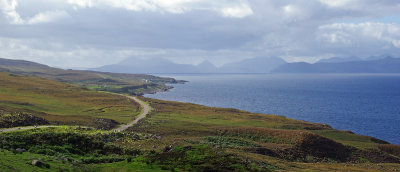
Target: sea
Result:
[367, 104]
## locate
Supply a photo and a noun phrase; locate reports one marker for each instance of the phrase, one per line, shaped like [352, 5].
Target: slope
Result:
[114, 82]
[61, 103]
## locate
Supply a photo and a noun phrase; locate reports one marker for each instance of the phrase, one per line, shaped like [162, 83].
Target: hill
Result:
[188, 137]
[105, 81]
[385, 65]
[254, 65]
[160, 65]
[156, 65]
[60, 103]
[174, 136]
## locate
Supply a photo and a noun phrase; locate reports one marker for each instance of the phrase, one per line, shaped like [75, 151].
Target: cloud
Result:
[8, 7]
[228, 8]
[47, 16]
[97, 32]
[362, 33]
[240, 11]
[336, 3]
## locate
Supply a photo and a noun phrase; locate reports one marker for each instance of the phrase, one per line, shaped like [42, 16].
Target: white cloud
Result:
[335, 3]
[349, 33]
[8, 8]
[47, 16]
[396, 43]
[228, 8]
[239, 11]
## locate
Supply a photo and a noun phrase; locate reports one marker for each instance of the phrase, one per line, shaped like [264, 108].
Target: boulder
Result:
[37, 163]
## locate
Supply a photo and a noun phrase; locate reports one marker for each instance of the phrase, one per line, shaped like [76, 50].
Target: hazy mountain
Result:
[254, 65]
[207, 67]
[339, 59]
[350, 59]
[156, 65]
[160, 65]
[385, 65]
[21, 63]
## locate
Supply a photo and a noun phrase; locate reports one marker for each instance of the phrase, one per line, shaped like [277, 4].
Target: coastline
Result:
[165, 87]
[350, 130]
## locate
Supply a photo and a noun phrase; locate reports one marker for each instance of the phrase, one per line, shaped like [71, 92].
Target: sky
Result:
[92, 33]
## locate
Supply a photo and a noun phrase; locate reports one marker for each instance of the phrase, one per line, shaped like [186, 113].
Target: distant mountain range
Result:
[385, 65]
[260, 65]
[160, 65]
[254, 65]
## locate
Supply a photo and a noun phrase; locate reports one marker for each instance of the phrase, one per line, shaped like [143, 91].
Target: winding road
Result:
[146, 109]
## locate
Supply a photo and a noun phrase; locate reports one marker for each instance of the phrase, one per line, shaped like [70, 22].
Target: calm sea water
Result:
[367, 104]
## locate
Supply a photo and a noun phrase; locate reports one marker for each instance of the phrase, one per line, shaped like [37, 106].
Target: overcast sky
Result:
[91, 33]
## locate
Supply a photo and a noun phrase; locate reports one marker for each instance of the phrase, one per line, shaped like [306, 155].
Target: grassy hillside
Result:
[113, 82]
[281, 142]
[187, 137]
[174, 136]
[60, 102]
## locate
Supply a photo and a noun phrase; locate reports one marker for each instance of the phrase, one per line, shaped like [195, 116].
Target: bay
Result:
[367, 104]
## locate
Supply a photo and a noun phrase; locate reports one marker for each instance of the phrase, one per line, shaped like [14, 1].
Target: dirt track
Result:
[146, 110]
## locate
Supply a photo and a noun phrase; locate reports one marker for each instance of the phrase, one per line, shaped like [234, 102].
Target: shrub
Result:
[391, 149]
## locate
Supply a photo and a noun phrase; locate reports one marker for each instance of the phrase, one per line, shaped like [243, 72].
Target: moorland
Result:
[174, 136]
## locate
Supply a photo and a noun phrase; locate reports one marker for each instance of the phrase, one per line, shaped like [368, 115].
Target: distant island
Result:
[385, 65]
[258, 65]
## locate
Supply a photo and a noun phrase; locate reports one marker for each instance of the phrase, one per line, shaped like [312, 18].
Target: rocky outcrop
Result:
[105, 124]
[16, 119]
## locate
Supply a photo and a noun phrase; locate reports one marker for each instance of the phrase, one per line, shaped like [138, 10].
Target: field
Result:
[62, 103]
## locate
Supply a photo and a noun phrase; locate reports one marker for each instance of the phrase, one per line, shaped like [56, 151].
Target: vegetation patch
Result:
[265, 135]
[227, 142]
[321, 148]
[104, 124]
[198, 158]
[391, 149]
[16, 119]
[62, 103]
[72, 146]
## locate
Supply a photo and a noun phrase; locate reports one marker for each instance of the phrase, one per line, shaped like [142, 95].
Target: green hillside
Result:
[174, 136]
[113, 82]
[61, 103]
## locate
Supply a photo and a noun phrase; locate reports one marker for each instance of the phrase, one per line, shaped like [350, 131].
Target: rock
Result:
[37, 163]
[167, 148]
[20, 150]
[171, 150]
[105, 124]
[188, 147]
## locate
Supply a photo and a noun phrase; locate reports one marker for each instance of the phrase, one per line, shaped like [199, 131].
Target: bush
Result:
[226, 142]
[391, 149]
[198, 158]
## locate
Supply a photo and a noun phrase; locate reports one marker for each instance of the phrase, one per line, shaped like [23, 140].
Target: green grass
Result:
[62, 102]
[347, 138]
[10, 161]
[137, 164]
